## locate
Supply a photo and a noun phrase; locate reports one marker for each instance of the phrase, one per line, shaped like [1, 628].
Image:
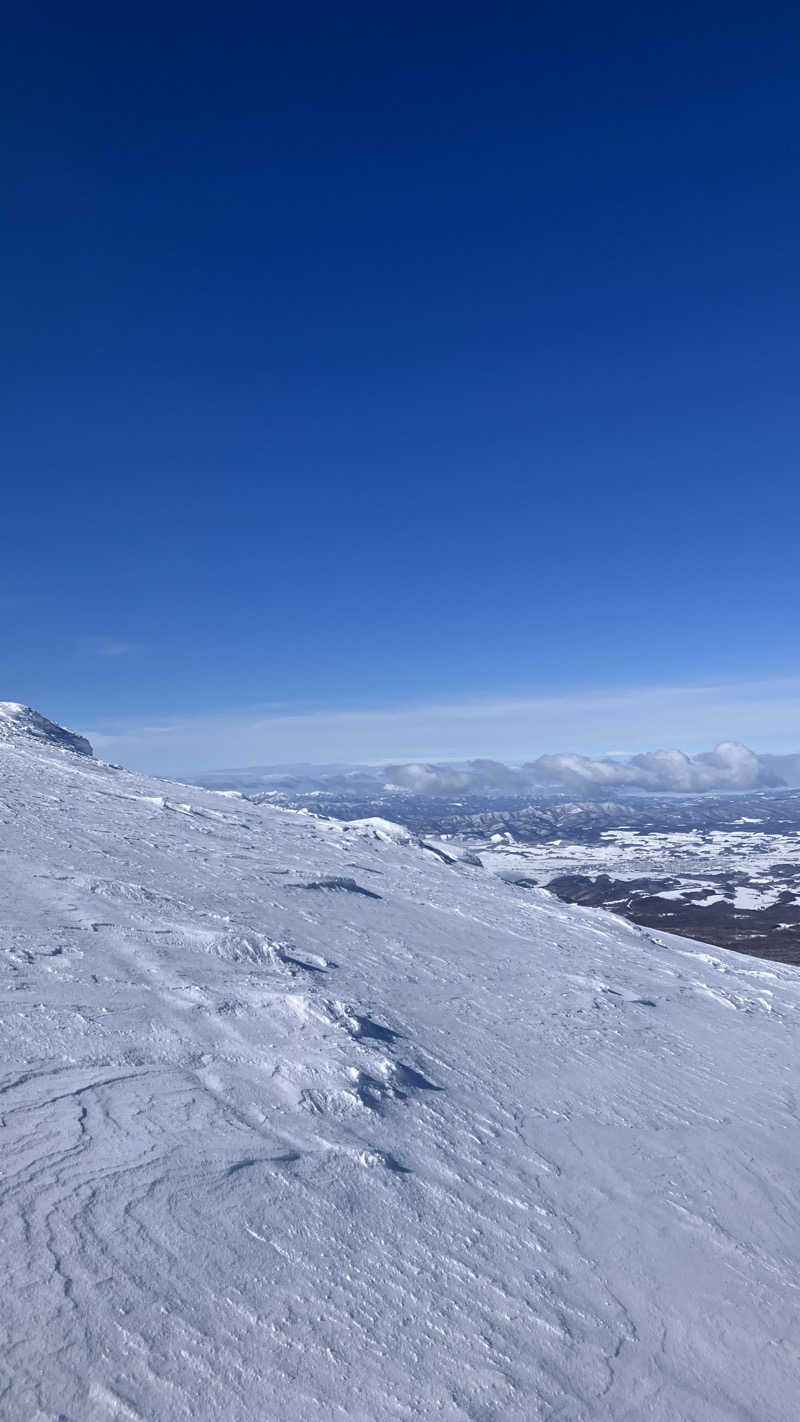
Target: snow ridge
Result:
[18, 720]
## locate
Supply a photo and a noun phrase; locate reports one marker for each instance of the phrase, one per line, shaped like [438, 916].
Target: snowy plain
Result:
[688, 855]
[301, 1122]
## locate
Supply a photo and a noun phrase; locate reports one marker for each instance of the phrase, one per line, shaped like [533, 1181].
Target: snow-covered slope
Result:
[301, 1122]
[18, 722]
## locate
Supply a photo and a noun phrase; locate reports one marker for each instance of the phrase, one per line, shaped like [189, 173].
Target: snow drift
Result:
[300, 1121]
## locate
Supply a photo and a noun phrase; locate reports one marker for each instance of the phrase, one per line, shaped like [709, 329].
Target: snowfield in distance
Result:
[301, 1122]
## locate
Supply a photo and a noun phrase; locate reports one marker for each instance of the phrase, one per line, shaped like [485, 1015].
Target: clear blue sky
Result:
[368, 354]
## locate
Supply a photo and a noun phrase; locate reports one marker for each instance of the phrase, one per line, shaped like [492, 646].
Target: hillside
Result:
[301, 1122]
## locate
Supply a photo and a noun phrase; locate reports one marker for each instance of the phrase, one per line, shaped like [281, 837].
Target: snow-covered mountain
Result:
[302, 1122]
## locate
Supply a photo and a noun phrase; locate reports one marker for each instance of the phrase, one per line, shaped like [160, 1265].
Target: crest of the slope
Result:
[21, 721]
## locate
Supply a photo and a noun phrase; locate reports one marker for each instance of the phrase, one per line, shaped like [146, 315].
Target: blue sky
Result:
[373, 360]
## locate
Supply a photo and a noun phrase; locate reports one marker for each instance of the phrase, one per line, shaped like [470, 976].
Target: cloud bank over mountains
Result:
[476, 775]
[730, 766]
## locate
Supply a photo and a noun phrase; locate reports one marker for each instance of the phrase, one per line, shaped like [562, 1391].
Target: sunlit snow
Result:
[300, 1121]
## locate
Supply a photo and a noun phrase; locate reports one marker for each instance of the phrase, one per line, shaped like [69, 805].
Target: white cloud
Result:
[104, 647]
[113, 649]
[730, 766]
[764, 714]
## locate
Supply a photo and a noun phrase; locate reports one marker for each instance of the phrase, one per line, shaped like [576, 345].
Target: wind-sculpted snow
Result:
[300, 1121]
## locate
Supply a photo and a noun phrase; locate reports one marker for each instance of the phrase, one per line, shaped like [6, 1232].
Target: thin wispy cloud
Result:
[763, 714]
[109, 647]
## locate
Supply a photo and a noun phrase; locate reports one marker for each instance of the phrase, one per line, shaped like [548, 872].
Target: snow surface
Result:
[301, 1122]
